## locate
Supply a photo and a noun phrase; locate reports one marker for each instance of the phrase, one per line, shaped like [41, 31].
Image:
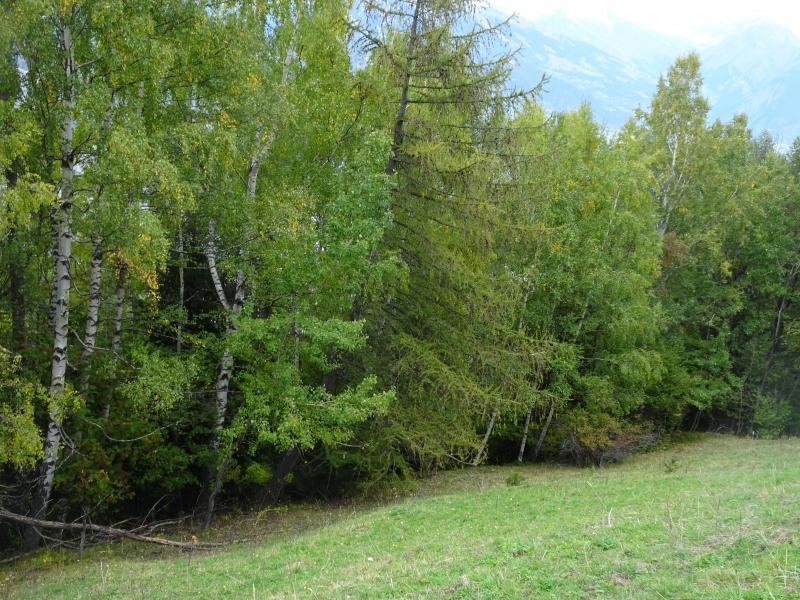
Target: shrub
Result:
[599, 439]
[515, 479]
[771, 416]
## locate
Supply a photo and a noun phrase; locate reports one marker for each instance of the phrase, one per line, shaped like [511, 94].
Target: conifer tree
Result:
[453, 328]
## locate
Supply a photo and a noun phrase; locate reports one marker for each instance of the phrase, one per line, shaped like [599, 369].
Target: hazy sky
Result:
[696, 19]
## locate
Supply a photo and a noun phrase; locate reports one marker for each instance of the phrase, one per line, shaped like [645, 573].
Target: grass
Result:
[716, 518]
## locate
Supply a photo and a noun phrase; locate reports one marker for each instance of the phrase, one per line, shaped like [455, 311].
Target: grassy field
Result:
[715, 518]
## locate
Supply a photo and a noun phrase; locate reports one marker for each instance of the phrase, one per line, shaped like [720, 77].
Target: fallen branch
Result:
[16, 557]
[109, 531]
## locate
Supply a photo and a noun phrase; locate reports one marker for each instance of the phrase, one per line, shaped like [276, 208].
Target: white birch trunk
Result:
[262, 148]
[225, 371]
[51, 309]
[93, 309]
[119, 310]
[525, 431]
[485, 441]
[226, 364]
[543, 433]
[211, 258]
[60, 300]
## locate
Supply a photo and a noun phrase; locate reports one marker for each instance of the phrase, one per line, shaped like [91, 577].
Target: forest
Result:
[303, 249]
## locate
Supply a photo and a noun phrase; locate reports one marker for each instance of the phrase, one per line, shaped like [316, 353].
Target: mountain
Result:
[615, 65]
[757, 71]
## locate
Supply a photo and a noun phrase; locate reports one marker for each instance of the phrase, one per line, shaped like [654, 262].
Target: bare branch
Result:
[109, 531]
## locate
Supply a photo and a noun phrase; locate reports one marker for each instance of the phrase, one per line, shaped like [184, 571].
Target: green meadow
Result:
[714, 517]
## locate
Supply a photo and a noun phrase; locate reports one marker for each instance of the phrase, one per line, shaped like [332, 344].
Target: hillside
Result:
[716, 518]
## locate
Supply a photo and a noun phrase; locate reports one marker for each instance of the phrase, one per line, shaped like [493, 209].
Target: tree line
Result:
[299, 244]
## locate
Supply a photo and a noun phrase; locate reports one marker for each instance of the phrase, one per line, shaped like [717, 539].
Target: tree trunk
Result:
[93, 310]
[181, 290]
[525, 430]
[399, 122]
[51, 309]
[285, 467]
[60, 301]
[223, 383]
[225, 371]
[112, 532]
[777, 329]
[296, 334]
[212, 497]
[291, 456]
[262, 148]
[485, 441]
[211, 259]
[543, 433]
[520, 324]
[119, 309]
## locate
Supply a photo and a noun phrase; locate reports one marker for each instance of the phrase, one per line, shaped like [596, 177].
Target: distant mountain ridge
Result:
[615, 66]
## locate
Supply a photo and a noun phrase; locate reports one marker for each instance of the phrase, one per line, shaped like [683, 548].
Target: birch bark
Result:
[546, 426]
[119, 309]
[525, 431]
[486, 437]
[93, 309]
[225, 372]
[62, 282]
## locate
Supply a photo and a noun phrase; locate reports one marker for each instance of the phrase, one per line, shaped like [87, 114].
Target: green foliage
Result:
[256, 474]
[599, 439]
[161, 381]
[771, 416]
[515, 479]
[20, 440]
[294, 233]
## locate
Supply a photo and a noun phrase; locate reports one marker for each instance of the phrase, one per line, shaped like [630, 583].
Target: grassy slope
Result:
[713, 519]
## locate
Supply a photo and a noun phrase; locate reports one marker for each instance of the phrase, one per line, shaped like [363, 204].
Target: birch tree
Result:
[76, 81]
[674, 128]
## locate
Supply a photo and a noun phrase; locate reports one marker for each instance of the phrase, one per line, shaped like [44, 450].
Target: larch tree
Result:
[452, 328]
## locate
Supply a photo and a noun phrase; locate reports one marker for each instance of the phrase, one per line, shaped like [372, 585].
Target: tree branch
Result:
[110, 531]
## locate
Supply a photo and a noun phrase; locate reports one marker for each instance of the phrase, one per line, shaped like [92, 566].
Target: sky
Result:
[697, 20]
